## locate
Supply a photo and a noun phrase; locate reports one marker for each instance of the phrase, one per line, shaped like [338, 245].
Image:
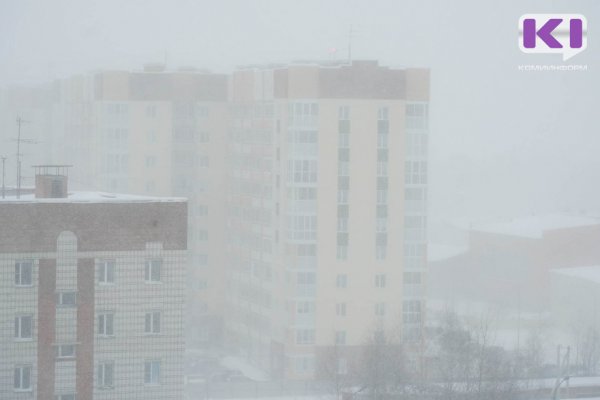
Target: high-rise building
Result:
[327, 215]
[307, 187]
[159, 132]
[93, 289]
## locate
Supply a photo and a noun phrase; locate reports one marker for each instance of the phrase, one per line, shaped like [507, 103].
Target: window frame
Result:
[103, 271]
[18, 331]
[149, 266]
[102, 332]
[21, 368]
[102, 375]
[19, 265]
[149, 371]
[60, 296]
[59, 351]
[152, 322]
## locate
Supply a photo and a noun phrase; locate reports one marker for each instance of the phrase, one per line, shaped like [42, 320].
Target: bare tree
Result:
[382, 367]
[337, 369]
[588, 349]
[469, 366]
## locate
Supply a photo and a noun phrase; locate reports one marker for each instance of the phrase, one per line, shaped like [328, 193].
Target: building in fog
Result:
[93, 289]
[158, 132]
[307, 187]
[327, 210]
[508, 262]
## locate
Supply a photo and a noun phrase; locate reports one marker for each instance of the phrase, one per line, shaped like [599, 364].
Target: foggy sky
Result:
[503, 142]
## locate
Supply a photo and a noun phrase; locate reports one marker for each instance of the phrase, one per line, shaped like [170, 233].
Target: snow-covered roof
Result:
[534, 226]
[589, 273]
[92, 197]
[438, 251]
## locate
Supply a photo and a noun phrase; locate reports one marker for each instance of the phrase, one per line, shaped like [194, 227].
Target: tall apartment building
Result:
[158, 132]
[327, 213]
[93, 289]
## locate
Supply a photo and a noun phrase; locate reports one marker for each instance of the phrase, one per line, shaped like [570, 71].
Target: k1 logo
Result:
[565, 34]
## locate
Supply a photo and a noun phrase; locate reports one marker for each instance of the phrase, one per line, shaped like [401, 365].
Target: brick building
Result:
[92, 289]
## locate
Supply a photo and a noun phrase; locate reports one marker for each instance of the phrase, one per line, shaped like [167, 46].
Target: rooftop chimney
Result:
[51, 181]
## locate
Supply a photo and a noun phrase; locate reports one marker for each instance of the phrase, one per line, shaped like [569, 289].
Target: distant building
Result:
[327, 210]
[159, 132]
[93, 291]
[576, 297]
[508, 263]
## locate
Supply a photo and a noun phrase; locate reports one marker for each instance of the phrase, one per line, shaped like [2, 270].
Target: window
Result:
[304, 365]
[150, 161]
[382, 168]
[342, 252]
[306, 278]
[151, 136]
[342, 238]
[344, 140]
[417, 116]
[151, 110]
[380, 309]
[340, 309]
[65, 351]
[106, 324]
[153, 270]
[344, 113]
[415, 227]
[23, 273]
[411, 311]
[66, 299]
[382, 196]
[341, 281]
[106, 271]
[152, 372]
[152, 322]
[302, 171]
[412, 278]
[24, 327]
[305, 336]
[415, 255]
[305, 307]
[382, 140]
[22, 378]
[415, 172]
[343, 168]
[342, 224]
[69, 396]
[380, 252]
[106, 371]
[381, 225]
[380, 280]
[340, 338]
[342, 197]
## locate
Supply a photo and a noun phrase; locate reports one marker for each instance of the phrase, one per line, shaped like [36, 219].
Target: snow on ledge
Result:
[93, 197]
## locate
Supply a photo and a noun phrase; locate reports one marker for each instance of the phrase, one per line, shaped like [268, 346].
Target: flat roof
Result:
[534, 226]
[439, 251]
[589, 273]
[91, 197]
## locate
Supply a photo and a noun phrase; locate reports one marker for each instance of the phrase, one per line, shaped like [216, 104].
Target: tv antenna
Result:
[20, 140]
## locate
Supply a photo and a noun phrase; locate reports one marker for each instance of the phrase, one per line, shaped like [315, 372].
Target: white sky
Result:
[503, 141]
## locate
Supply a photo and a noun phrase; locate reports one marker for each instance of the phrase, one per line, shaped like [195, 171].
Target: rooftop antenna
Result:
[20, 122]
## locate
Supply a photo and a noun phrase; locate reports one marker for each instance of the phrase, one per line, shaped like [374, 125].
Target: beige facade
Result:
[307, 189]
[332, 216]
